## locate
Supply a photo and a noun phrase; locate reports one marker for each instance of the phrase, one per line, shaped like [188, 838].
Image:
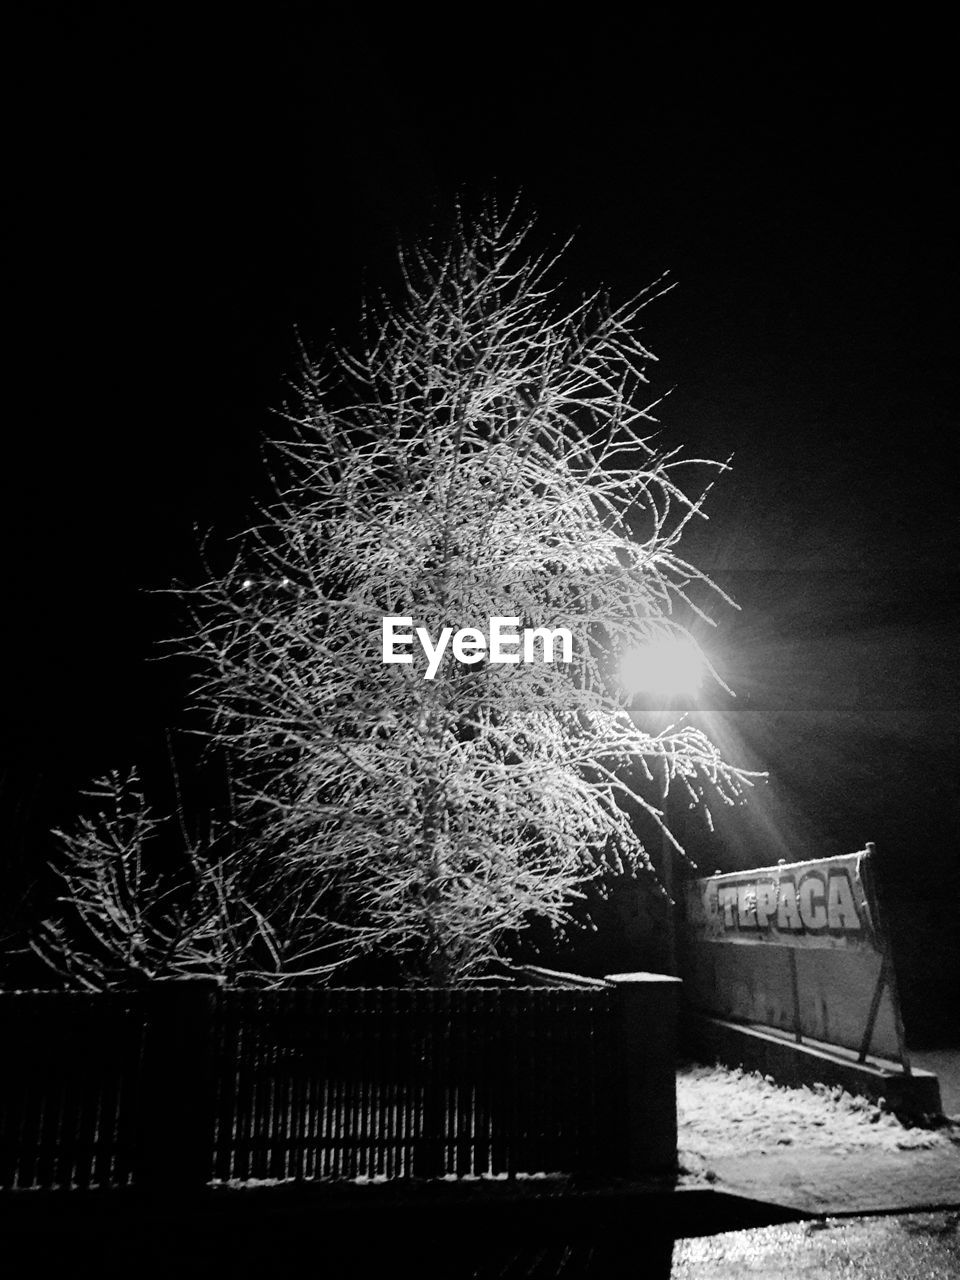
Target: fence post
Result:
[646, 1036]
[176, 1102]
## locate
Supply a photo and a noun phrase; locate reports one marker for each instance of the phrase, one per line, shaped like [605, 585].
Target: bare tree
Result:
[125, 916]
[487, 453]
[144, 898]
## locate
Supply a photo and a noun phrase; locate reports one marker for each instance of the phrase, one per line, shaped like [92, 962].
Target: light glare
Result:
[669, 667]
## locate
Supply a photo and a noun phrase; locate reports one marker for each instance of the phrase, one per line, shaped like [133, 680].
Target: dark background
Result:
[190, 186]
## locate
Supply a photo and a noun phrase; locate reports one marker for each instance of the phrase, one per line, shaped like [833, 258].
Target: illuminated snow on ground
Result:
[726, 1112]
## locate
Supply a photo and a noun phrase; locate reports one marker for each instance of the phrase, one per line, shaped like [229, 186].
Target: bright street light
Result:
[669, 666]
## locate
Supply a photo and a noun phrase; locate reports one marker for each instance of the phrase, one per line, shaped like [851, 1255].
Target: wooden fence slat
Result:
[299, 1091]
[61, 1087]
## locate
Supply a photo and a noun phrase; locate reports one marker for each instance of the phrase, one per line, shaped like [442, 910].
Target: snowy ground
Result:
[814, 1147]
[725, 1112]
[917, 1246]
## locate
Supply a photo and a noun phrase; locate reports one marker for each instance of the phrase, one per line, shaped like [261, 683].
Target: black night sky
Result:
[190, 185]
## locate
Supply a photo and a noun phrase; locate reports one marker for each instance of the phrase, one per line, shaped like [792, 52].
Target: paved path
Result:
[923, 1246]
[860, 1182]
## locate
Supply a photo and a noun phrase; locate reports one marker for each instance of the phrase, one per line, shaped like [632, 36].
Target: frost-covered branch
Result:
[488, 451]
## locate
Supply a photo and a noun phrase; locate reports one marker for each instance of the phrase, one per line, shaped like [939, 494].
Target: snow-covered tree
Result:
[487, 452]
[130, 913]
[145, 897]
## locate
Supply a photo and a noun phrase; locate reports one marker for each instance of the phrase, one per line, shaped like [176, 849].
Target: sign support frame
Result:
[886, 977]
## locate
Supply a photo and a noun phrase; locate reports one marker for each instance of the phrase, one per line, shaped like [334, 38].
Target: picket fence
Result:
[186, 1084]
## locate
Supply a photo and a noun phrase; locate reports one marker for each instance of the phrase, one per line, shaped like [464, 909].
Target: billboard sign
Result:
[823, 904]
